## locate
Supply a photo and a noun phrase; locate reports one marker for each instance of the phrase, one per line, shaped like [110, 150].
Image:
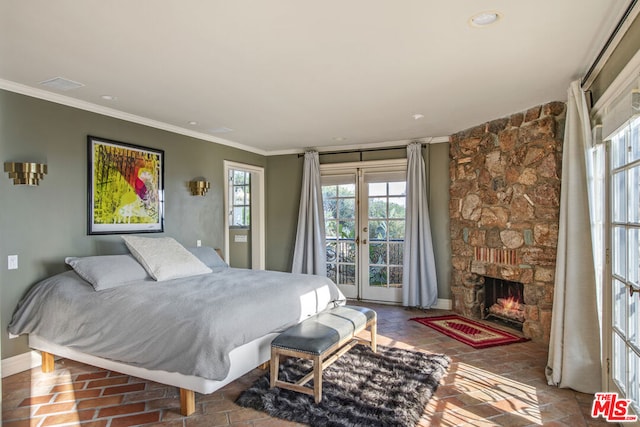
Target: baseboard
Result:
[22, 362]
[444, 304]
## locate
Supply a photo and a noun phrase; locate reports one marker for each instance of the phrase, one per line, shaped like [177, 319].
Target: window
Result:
[239, 198]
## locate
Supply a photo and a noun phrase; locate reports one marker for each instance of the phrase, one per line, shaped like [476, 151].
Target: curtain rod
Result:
[364, 150]
[596, 63]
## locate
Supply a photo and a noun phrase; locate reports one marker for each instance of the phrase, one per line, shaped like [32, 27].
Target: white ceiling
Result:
[292, 74]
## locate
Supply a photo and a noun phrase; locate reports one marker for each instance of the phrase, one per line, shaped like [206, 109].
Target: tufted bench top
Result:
[318, 333]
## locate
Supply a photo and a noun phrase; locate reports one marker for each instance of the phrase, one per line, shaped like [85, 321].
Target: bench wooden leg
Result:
[187, 402]
[317, 378]
[374, 333]
[274, 365]
[48, 362]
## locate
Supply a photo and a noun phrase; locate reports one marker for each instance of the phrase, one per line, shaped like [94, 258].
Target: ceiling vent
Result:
[58, 83]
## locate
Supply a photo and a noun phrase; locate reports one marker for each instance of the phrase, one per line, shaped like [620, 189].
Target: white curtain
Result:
[309, 255]
[419, 282]
[574, 347]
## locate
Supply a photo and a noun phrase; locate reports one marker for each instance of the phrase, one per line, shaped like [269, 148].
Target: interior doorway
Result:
[244, 219]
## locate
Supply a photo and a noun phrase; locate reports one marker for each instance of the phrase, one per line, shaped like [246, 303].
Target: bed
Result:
[198, 332]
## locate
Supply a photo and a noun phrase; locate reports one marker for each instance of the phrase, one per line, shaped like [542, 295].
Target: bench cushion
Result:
[318, 333]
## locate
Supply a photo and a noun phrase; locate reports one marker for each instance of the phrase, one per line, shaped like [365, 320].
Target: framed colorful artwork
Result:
[125, 188]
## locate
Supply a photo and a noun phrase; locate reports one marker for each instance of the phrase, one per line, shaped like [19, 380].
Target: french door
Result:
[623, 331]
[364, 209]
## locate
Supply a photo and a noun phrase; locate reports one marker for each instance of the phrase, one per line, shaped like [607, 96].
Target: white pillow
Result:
[164, 258]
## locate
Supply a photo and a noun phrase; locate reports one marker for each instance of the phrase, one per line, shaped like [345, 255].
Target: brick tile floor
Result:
[499, 386]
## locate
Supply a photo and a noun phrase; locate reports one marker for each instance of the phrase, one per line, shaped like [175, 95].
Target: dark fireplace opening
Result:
[504, 302]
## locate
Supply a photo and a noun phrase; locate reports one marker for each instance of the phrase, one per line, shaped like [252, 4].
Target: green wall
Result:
[284, 175]
[44, 224]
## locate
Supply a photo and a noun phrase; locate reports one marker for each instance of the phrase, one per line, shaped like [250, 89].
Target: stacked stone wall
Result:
[504, 209]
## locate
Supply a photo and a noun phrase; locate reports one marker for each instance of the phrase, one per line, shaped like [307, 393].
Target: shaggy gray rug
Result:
[362, 388]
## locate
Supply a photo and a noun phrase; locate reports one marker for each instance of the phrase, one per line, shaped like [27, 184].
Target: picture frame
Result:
[125, 188]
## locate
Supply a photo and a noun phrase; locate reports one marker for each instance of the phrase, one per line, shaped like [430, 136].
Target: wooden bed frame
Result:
[243, 359]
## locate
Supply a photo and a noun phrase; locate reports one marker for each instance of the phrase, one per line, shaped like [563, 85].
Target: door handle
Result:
[632, 291]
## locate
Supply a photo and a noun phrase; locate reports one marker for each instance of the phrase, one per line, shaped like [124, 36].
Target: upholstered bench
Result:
[322, 338]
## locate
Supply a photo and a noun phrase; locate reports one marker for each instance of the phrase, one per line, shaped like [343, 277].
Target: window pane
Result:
[347, 251]
[238, 177]
[620, 251]
[395, 277]
[634, 195]
[347, 229]
[330, 207]
[331, 272]
[377, 189]
[332, 253]
[634, 321]
[619, 362]
[346, 274]
[397, 207]
[396, 253]
[377, 207]
[619, 197]
[329, 191]
[377, 253]
[347, 208]
[620, 301]
[377, 276]
[238, 195]
[396, 230]
[238, 216]
[634, 257]
[331, 229]
[634, 140]
[618, 150]
[397, 188]
[347, 190]
[377, 230]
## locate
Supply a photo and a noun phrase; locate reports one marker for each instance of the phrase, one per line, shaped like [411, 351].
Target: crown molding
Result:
[111, 112]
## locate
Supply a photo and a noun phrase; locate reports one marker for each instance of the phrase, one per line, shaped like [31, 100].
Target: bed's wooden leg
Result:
[187, 402]
[48, 363]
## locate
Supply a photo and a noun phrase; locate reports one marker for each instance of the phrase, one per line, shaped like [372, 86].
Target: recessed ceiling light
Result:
[108, 97]
[59, 83]
[192, 123]
[339, 138]
[484, 18]
[417, 116]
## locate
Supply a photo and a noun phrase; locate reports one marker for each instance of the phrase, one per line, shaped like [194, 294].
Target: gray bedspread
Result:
[183, 325]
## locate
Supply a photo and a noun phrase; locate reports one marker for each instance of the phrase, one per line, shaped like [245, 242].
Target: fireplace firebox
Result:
[504, 302]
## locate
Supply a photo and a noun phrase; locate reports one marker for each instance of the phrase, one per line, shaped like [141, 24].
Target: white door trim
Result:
[258, 222]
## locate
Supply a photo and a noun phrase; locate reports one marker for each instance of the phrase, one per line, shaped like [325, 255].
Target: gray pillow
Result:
[164, 258]
[108, 271]
[209, 257]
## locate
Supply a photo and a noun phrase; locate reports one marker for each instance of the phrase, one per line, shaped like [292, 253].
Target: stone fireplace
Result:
[504, 210]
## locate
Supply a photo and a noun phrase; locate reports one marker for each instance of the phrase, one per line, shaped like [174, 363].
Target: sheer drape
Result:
[574, 347]
[419, 282]
[309, 255]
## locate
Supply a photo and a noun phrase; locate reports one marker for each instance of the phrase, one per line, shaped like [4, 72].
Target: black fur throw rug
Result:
[362, 388]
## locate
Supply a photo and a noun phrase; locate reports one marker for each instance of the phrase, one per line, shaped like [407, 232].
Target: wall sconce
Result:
[199, 187]
[25, 173]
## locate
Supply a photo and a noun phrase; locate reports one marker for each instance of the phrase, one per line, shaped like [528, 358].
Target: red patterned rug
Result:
[470, 332]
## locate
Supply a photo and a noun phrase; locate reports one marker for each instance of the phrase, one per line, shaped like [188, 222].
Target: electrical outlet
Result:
[12, 262]
[198, 243]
